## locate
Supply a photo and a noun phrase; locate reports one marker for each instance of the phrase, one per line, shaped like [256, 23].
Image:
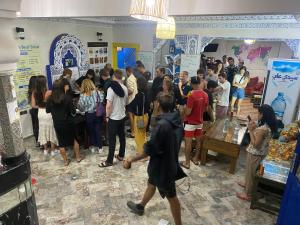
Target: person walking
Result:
[163, 167]
[117, 97]
[223, 91]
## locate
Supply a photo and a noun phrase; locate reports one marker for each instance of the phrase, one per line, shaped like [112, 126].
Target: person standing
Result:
[239, 84]
[231, 70]
[257, 150]
[34, 109]
[117, 98]
[46, 129]
[63, 111]
[196, 106]
[225, 61]
[90, 74]
[223, 91]
[184, 89]
[132, 91]
[88, 101]
[140, 106]
[210, 74]
[163, 167]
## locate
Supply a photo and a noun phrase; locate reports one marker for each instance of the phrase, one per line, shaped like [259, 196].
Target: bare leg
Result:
[188, 149]
[76, 151]
[52, 147]
[64, 156]
[232, 104]
[150, 191]
[176, 210]
[239, 102]
[198, 149]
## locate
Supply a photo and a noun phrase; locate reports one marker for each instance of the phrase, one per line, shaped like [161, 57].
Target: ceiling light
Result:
[153, 10]
[166, 29]
[249, 41]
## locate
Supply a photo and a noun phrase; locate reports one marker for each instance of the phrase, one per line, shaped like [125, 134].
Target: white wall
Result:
[257, 67]
[142, 35]
[43, 33]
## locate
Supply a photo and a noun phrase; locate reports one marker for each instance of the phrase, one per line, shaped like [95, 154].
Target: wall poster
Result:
[28, 65]
[98, 55]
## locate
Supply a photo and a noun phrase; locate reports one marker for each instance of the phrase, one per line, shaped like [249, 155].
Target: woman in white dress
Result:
[46, 128]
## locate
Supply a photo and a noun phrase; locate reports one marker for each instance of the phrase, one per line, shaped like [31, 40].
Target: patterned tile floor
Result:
[84, 194]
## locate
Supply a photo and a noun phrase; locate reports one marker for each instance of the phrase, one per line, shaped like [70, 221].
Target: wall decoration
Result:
[148, 60]
[66, 51]
[190, 63]
[98, 54]
[28, 65]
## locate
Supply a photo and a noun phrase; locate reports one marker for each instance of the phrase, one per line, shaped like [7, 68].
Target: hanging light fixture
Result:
[153, 10]
[166, 29]
[249, 41]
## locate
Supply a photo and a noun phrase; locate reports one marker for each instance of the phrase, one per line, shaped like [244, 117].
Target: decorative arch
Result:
[66, 51]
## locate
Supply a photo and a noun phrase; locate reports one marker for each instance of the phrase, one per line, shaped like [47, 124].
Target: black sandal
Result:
[119, 158]
[104, 164]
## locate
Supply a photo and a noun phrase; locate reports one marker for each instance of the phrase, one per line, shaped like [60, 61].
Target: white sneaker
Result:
[100, 150]
[46, 152]
[92, 149]
[54, 153]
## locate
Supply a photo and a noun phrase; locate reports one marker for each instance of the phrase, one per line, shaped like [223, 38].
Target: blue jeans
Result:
[94, 125]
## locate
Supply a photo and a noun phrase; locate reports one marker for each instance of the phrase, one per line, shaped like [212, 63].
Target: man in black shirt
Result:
[208, 115]
[231, 70]
[163, 167]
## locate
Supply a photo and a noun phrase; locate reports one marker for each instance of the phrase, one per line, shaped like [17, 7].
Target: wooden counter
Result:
[224, 143]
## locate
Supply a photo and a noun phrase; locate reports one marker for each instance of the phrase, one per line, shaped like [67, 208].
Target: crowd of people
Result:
[170, 109]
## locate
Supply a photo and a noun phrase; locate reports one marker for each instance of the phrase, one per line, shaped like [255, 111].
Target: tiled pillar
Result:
[11, 141]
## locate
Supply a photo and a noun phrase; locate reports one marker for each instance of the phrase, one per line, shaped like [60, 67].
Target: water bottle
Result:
[226, 126]
[279, 105]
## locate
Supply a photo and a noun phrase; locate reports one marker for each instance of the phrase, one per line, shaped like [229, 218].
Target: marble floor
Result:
[84, 194]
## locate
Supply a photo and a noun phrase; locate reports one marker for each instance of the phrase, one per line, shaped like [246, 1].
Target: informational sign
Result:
[147, 59]
[190, 63]
[98, 55]
[282, 88]
[28, 65]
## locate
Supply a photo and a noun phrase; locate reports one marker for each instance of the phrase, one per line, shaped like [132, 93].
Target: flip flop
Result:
[196, 163]
[81, 158]
[241, 184]
[119, 158]
[184, 166]
[68, 162]
[243, 196]
[104, 164]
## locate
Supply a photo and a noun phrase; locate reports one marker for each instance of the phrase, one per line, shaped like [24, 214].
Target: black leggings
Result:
[35, 122]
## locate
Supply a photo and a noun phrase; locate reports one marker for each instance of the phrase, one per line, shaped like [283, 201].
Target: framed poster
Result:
[190, 63]
[98, 55]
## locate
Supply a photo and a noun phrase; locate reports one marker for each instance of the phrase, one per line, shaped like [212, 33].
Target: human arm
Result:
[244, 84]
[189, 106]
[256, 135]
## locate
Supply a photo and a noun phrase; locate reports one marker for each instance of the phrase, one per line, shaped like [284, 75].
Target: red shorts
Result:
[192, 131]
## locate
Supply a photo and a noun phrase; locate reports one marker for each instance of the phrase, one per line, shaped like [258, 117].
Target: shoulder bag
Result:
[99, 106]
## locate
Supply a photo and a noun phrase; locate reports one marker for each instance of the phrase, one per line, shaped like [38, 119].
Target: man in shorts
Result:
[163, 167]
[197, 103]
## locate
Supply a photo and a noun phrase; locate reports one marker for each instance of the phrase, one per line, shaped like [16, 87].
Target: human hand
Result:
[180, 84]
[252, 125]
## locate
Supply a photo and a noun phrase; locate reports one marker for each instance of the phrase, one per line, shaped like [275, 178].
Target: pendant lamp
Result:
[153, 10]
[166, 29]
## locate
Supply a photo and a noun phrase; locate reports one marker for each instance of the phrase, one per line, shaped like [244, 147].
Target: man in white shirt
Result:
[117, 98]
[132, 91]
[223, 91]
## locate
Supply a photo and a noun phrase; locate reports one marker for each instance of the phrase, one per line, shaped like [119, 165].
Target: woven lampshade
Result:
[154, 10]
[166, 29]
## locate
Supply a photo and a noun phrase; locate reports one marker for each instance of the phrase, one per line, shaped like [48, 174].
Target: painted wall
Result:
[255, 56]
[43, 32]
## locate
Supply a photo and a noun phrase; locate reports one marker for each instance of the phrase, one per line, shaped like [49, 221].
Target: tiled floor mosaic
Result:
[84, 194]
